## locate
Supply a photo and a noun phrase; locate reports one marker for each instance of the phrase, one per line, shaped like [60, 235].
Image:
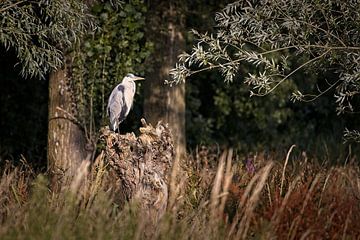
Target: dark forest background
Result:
[217, 114]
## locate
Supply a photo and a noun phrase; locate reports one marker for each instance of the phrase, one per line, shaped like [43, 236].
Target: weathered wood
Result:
[142, 165]
[67, 144]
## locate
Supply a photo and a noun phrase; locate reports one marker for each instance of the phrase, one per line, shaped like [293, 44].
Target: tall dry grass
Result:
[213, 197]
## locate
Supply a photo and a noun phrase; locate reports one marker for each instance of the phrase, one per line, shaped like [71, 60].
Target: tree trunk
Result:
[66, 139]
[162, 102]
[141, 166]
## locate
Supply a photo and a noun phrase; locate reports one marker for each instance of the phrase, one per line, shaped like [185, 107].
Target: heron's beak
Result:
[138, 78]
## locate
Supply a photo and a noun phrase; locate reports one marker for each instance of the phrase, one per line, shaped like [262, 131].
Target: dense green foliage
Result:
[104, 57]
[224, 114]
[269, 43]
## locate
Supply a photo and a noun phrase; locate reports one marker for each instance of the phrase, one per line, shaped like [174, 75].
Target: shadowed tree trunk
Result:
[162, 102]
[66, 139]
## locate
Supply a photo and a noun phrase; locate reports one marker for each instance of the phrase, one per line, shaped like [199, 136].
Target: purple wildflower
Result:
[249, 164]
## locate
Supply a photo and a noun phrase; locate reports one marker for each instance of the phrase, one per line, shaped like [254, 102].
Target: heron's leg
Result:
[118, 129]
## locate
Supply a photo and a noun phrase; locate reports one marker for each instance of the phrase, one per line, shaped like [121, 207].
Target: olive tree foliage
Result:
[40, 31]
[280, 39]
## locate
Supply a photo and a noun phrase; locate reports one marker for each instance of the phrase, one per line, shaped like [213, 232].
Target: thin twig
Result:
[11, 5]
[314, 97]
[291, 73]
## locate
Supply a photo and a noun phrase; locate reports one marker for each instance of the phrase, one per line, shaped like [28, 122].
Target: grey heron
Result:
[121, 100]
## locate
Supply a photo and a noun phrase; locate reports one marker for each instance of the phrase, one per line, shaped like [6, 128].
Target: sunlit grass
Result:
[224, 199]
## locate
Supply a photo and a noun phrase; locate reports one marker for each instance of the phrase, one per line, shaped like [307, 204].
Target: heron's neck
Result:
[131, 85]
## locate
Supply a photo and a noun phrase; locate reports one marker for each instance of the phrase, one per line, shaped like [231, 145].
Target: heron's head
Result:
[132, 77]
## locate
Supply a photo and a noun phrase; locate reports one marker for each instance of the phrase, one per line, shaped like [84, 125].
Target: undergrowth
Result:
[215, 197]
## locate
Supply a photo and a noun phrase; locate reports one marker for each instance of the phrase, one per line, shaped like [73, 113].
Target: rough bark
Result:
[141, 165]
[66, 139]
[162, 102]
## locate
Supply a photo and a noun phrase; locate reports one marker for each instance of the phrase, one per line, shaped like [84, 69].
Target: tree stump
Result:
[142, 165]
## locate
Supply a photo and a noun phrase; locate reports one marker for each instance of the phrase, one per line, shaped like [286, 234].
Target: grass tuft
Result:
[297, 199]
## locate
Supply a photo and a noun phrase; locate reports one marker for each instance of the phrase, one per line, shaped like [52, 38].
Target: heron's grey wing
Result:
[116, 107]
